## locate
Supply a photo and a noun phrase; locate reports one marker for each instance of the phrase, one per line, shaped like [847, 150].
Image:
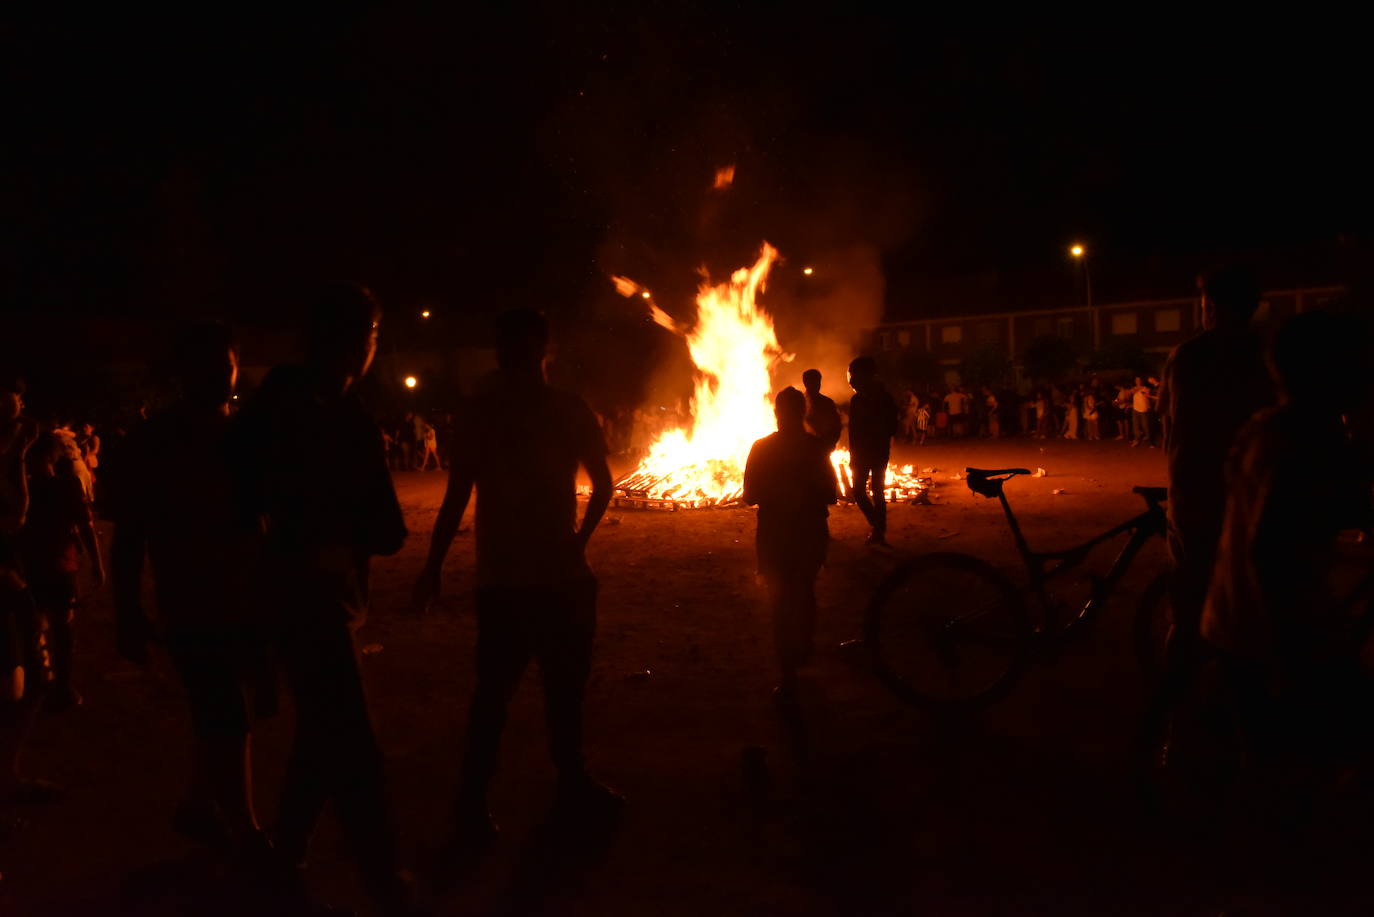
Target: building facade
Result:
[1153, 326]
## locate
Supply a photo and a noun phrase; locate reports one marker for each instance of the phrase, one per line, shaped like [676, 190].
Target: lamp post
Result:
[1081, 255]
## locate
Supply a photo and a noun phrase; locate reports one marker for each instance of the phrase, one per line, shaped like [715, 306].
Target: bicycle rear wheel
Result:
[947, 631]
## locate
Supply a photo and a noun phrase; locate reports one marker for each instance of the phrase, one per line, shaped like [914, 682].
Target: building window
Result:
[1168, 320]
[1043, 327]
[1125, 323]
[1064, 327]
[951, 334]
[904, 339]
[987, 332]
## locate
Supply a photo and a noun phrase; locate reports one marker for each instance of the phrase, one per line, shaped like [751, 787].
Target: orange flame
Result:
[725, 177]
[735, 349]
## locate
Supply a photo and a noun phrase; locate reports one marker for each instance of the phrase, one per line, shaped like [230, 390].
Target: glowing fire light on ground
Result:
[735, 350]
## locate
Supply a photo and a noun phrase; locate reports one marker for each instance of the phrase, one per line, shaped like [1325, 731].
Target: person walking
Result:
[202, 563]
[872, 424]
[520, 449]
[324, 522]
[789, 477]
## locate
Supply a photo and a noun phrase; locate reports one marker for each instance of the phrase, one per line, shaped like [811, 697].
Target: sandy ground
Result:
[878, 808]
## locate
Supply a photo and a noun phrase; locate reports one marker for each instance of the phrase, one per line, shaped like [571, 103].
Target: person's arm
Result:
[85, 528]
[456, 497]
[602, 488]
[751, 473]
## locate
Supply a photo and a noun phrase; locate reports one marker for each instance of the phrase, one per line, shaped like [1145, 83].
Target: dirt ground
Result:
[873, 808]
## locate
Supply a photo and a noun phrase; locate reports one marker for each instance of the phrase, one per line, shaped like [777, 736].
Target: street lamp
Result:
[411, 381]
[807, 271]
[424, 314]
[1081, 254]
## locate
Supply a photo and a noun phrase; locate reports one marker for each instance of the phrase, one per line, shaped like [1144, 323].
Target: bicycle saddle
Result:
[988, 482]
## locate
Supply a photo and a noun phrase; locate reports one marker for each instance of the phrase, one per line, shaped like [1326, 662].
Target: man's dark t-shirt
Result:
[872, 424]
[522, 444]
[790, 478]
[1213, 384]
[175, 486]
[823, 419]
[315, 470]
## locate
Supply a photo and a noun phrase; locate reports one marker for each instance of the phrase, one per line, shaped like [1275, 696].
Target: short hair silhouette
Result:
[522, 337]
[198, 361]
[343, 313]
[863, 368]
[1234, 292]
[790, 406]
[812, 379]
[1322, 357]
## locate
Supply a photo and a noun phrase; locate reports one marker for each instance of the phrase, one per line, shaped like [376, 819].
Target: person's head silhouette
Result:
[790, 409]
[811, 380]
[343, 331]
[206, 364]
[863, 371]
[522, 341]
[1230, 296]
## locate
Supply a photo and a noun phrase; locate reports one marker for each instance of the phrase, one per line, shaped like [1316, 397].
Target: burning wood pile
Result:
[735, 350]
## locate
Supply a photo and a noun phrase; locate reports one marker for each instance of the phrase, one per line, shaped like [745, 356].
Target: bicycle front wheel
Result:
[947, 631]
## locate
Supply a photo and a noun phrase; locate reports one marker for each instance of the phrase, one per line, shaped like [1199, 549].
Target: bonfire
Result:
[735, 350]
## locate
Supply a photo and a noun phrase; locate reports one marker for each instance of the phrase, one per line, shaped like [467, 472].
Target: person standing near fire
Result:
[789, 477]
[822, 417]
[324, 522]
[872, 424]
[536, 595]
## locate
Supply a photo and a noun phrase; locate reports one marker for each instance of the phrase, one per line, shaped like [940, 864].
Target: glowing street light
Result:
[411, 382]
[807, 271]
[1081, 254]
[645, 294]
[424, 314]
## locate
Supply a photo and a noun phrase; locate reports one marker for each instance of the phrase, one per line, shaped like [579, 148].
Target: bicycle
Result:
[949, 631]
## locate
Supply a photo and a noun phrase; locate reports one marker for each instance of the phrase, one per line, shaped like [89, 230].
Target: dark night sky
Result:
[480, 161]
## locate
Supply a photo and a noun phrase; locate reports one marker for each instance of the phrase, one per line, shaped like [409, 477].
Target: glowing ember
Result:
[724, 177]
[735, 350]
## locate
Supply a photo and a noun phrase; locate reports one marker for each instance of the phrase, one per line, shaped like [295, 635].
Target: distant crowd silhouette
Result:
[260, 555]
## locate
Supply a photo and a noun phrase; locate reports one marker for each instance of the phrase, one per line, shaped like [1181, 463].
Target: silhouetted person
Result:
[822, 417]
[536, 597]
[26, 661]
[872, 424]
[1275, 607]
[1213, 384]
[324, 521]
[790, 478]
[57, 529]
[173, 501]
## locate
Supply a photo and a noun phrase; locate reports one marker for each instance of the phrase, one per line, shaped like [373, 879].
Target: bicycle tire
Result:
[930, 654]
[1154, 622]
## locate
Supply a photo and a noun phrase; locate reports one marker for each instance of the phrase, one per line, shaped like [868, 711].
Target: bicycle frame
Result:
[1038, 564]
